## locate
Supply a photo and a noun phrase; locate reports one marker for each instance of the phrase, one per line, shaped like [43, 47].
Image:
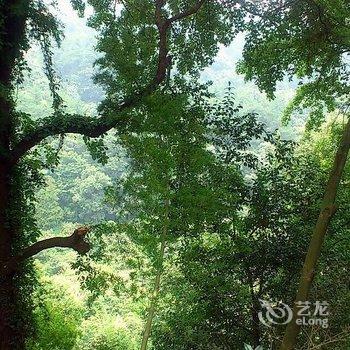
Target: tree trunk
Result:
[254, 311]
[12, 29]
[8, 334]
[152, 307]
[155, 294]
[327, 210]
[255, 321]
[11, 334]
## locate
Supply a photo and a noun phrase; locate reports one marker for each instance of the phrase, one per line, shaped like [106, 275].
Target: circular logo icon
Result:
[270, 315]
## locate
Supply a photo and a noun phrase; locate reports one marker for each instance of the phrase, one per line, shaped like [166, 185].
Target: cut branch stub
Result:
[79, 244]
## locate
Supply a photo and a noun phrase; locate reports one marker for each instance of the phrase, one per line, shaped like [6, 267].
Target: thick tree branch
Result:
[76, 241]
[192, 10]
[95, 127]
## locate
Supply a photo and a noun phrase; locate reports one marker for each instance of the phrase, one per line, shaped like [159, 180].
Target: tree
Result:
[214, 287]
[307, 40]
[176, 187]
[316, 50]
[138, 46]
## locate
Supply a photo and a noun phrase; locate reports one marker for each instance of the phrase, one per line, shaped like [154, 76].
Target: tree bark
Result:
[255, 322]
[255, 307]
[155, 294]
[254, 310]
[327, 210]
[9, 332]
[12, 30]
[75, 241]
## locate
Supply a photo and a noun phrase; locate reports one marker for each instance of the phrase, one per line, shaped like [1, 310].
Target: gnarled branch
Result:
[95, 127]
[75, 241]
[188, 12]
